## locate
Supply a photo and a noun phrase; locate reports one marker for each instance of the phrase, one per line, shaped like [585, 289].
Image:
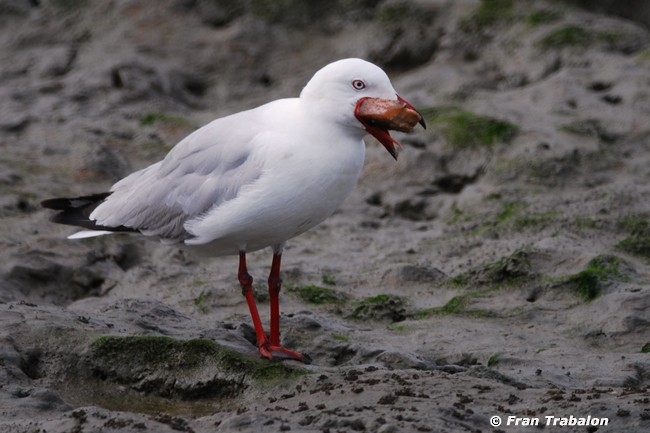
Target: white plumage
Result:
[255, 179]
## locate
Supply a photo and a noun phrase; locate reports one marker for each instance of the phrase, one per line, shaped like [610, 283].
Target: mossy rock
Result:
[536, 220]
[600, 272]
[566, 36]
[575, 36]
[643, 56]
[185, 369]
[493, 360]
[590, 128]
[457, 305]
[638, 241]
[637, 245]
[543, 16]
[508, 270]
[385, 308]
[463, 129]
[557, 170]
[318, 295]
[509, 210]
[488, 13]
[635, 224]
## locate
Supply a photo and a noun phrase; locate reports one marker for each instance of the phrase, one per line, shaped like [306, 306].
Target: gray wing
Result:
[203, 171]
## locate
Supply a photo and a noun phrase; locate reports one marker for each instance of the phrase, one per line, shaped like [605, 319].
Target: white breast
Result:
[306, 175]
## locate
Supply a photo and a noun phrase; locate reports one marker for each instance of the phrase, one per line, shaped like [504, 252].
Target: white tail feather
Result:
[83, 234]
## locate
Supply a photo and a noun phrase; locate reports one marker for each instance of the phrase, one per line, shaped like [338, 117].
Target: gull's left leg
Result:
[275, 284]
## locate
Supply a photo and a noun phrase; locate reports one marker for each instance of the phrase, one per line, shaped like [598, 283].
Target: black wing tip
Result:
[56, 203]
[76, 211]
[64, 203]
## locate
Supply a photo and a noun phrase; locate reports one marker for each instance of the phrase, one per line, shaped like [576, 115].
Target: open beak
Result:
[379, 116]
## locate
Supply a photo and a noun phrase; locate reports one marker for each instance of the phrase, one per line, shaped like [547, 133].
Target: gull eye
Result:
[358, 85]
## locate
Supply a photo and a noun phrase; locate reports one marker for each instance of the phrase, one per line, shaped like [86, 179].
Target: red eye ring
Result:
[358, 84]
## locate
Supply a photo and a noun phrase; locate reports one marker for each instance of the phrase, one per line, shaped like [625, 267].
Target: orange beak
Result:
[379, 116]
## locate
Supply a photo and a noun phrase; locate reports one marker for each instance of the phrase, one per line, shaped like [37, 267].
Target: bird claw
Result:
[279, 353]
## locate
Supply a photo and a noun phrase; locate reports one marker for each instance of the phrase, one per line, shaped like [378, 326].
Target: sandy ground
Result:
[500, 268]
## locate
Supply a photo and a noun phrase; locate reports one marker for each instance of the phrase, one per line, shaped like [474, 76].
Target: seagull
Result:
[255, 179]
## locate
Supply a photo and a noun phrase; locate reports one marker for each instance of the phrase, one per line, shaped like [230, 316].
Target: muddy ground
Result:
[499, 268]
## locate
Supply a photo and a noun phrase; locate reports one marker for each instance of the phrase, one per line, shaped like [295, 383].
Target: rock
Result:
[388, 428]
[56, 61]
[408, 35]
[48, 280]
[414, 210]
[219, 12]
[319, 14]
[103, 163]
[453, 183]
[14, 121]
[413, 274]
[245, 422]
[638, 11]
[401, 361]
[421, 274]
[48, 400]
[382, 307]
[15, 7]
[137, 80]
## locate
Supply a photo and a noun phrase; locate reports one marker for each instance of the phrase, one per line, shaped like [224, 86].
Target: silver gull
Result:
[255, 179]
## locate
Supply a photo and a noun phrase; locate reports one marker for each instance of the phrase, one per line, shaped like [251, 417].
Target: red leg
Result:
[270, 349]
[275, 283]
[246, 282]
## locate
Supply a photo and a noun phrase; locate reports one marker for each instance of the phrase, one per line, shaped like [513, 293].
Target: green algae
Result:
[509, 271]
[464, 129]
[600, 271]
[638, 241]
[457, 305]
[201, 301]
[638, 245]
[575, 36]
[382, 307]
[318, 295]
[488, 13]
[590, 128]
[566, 36]
[162, 375]
[341, 338]
[543, 16]
[493, 360]
[165, 353]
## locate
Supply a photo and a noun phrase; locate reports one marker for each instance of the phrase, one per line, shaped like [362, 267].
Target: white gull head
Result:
[337, 88]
